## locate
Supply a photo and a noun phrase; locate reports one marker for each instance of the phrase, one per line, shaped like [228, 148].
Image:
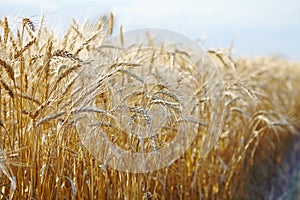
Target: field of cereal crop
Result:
[42, 155]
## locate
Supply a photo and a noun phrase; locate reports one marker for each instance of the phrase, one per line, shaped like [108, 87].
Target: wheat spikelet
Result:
[19, 40]
[93, 37]
[29, 23]
[26, 81]
[68, 86]
[34, 58]
[87, 42]
[46, 66]
[40, 27]
[47, 58]
[75, 28]
[50, 117]
[111, 23]
[4, 108]
[5, 30]
[225, 58]
[27, 46]
[63, 75]
[7, 88]
[121, 35]
[8, 69]
[13, 43]
[68, 71]
[66, 37]
[29, 32]
[66, 54]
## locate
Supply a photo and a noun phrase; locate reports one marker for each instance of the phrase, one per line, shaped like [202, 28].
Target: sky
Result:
[253, 27]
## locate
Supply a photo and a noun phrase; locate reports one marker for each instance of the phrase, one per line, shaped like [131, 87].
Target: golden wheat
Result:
[41, 154]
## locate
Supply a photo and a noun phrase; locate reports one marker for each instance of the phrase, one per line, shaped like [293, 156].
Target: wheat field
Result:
[42, 156]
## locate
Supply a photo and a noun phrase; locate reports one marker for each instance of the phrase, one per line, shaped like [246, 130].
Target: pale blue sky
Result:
[258, 27]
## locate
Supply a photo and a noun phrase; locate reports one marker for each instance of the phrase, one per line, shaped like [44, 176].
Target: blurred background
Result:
[252, 27]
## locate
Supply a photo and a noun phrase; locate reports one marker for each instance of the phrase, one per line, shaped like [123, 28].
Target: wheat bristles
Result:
[29, 23]
[66, 54]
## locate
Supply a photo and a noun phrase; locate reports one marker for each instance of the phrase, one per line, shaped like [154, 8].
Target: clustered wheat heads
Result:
[34, 91]
[41, 154]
